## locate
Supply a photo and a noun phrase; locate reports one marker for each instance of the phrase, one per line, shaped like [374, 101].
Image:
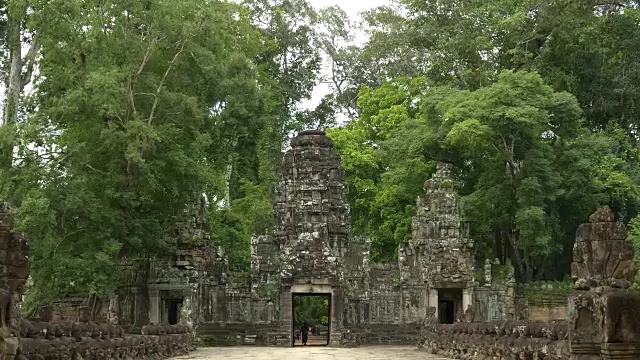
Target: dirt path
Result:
[315, 353]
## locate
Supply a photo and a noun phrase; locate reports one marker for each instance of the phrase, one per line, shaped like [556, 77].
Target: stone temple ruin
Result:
[312, 250]
[430, 296]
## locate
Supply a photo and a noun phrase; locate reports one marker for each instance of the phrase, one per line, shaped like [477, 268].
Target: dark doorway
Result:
[446, 308]
[449, 304]
[310, 312]
[173, 311]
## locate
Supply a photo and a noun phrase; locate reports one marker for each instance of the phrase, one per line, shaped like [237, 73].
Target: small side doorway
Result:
[446, 309]
[311, 314]
[449, 304]
[174, 307]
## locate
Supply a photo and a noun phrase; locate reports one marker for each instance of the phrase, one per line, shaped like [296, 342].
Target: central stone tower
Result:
[312, 224]
[312, 221]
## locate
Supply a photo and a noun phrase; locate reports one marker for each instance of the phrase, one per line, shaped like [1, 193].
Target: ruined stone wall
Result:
[498, 340]
[603, 320]
[191, 272]
[391, 313]
[43, 338]
[494, 298]
[541, 302]
[238, 298]
[491, 303]
[549, 311]
[385, 302]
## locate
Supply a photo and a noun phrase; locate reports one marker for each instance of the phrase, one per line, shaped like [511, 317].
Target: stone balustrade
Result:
[41, 340]
[498, 340]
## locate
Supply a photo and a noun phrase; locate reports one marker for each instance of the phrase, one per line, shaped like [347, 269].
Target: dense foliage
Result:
[120, 115]
[534, 102]
[311, 309]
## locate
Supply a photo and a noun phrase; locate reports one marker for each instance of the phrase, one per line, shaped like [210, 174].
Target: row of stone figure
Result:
[69, 340]
[508, 340]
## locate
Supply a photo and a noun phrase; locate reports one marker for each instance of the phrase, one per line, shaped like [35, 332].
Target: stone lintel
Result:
[312, 288]
[169, 287]
[451, 285]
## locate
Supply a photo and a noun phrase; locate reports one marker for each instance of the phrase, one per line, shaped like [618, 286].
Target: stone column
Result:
[467, 298]
[113, 315]
[584, 334]
[487, 273]
[154, 306]
[433, 300]
[189, 305]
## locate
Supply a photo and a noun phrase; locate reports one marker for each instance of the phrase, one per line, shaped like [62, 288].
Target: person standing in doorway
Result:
[305, 333]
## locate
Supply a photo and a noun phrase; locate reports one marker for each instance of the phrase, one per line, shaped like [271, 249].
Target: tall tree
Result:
[520, 151]
[583, 47]
[123, 129]
[15, 35]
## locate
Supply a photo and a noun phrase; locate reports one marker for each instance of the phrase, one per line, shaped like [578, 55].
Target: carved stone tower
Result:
[443, 247]
[312, 221]
[312, 224]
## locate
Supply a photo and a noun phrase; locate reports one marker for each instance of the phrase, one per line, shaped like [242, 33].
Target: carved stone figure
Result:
[603, 311]
[602, 256]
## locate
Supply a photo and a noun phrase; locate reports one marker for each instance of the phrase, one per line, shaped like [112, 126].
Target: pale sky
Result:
[353, 9]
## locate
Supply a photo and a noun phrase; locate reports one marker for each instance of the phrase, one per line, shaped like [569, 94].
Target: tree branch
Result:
[609, 2]
[29, 60]
[146, 58]
[143, 63]
[164, 77]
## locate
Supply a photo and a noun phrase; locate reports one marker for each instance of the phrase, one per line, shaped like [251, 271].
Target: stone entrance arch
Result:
[314, 288]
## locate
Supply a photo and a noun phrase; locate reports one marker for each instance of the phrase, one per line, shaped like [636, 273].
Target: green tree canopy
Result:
[521, 152]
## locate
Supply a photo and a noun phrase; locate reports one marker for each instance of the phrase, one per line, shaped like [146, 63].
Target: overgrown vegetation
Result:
[311, 309]
[120, 115]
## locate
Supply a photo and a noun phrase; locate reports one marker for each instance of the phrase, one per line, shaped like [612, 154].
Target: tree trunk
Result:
[516, 258]
[528, 267]
[13, 88]
[227, 189]
[12, 99]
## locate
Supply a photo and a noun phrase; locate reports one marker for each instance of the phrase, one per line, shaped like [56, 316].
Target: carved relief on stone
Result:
[312, 225]
[584, 317]
[621, 321]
